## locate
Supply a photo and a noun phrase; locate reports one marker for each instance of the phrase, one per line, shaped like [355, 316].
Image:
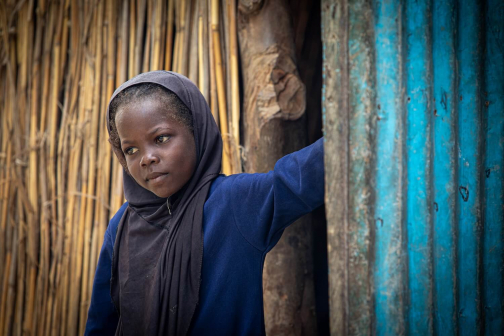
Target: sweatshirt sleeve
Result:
[102, 316]
[265, 204]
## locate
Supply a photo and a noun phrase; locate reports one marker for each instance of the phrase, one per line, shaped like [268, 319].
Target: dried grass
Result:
[59, 184]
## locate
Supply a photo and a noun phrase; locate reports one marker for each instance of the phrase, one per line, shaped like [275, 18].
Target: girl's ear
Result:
[119, 154]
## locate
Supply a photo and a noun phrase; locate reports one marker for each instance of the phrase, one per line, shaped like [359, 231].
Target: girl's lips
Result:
[155, 177]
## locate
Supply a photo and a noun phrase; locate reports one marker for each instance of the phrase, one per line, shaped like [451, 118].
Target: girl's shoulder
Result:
[226, 186]
[114, 221]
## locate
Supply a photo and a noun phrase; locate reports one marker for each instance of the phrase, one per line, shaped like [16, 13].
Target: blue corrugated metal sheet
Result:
[420, 87]
[492, 162]
[388, 270]
[418, 78]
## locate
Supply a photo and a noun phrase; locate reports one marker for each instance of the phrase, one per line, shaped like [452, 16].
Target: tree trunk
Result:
[274, 125]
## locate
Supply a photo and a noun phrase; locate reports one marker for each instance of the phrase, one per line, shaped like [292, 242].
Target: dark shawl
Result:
[156, 266]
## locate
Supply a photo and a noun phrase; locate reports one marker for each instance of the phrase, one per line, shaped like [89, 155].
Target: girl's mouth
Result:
[156, 177]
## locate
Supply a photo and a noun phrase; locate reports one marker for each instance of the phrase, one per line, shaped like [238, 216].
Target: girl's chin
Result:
[161, 193]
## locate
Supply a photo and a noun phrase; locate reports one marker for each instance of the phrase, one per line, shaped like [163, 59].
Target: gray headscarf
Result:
[158, 254]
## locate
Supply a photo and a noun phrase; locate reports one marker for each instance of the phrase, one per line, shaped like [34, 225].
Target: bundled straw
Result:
[59, 185]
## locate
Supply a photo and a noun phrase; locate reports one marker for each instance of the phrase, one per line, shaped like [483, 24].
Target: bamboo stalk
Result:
[103, 185]
[110, 86]
[3, 172]
[203, 50]
[64, 39]
[132, 39]
[162, 38]
[213, 86]
[18, 127]
[78, 224]
[142, 5]
[9, 306]
[234, 86]
[7, 178]
[221, 94]
[53, 174]
[8, 125]
[8, 261]
[92, 165]
[59, 261]
[175, 64]
[69, 281]
[122, 45]
[117, 188]
[148, 40]
[201, 72]
[71, 207]
[181, 62]
[33, 167]
[225, 50]
[18, 319]
[169, 36]
[6, 278]
[44, 220]
[88, 182]
[186, 41]
[69, 223]
[157, 30]
[193, 44]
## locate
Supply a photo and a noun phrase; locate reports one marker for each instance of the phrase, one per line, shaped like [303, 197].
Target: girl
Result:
[185, 254]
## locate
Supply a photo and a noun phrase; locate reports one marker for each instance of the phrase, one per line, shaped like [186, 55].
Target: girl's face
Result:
[160, 152]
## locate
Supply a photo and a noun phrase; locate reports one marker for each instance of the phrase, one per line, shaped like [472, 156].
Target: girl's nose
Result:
[148, 159]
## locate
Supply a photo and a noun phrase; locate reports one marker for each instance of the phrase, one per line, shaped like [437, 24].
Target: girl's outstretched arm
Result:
[265, 204]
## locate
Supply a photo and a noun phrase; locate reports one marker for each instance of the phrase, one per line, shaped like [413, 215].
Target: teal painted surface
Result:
[493, 214]
[388, 277]
[435, 153]
[418, 77]
[469, 55]
[445, 195]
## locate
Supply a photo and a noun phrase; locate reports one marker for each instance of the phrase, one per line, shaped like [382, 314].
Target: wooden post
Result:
[348, 100]
[274, 104]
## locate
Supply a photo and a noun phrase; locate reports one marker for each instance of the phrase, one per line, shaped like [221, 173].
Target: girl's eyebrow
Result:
[157, 129]
[125, 142]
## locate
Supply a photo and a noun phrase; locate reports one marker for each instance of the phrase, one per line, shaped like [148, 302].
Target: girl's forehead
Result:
[139, 111]
[143, 115]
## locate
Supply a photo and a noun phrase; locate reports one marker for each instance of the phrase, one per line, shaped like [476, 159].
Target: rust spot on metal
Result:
[461, 98]
[435, 113]
[379, 107]
[378, 117]
[464, 192]
[487, 103]
[436, 207]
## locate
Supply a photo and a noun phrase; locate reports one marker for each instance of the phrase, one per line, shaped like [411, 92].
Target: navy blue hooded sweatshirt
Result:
[243, 218]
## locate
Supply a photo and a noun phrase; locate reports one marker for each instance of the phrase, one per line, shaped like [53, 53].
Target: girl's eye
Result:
[162, 138]
[131, 150]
